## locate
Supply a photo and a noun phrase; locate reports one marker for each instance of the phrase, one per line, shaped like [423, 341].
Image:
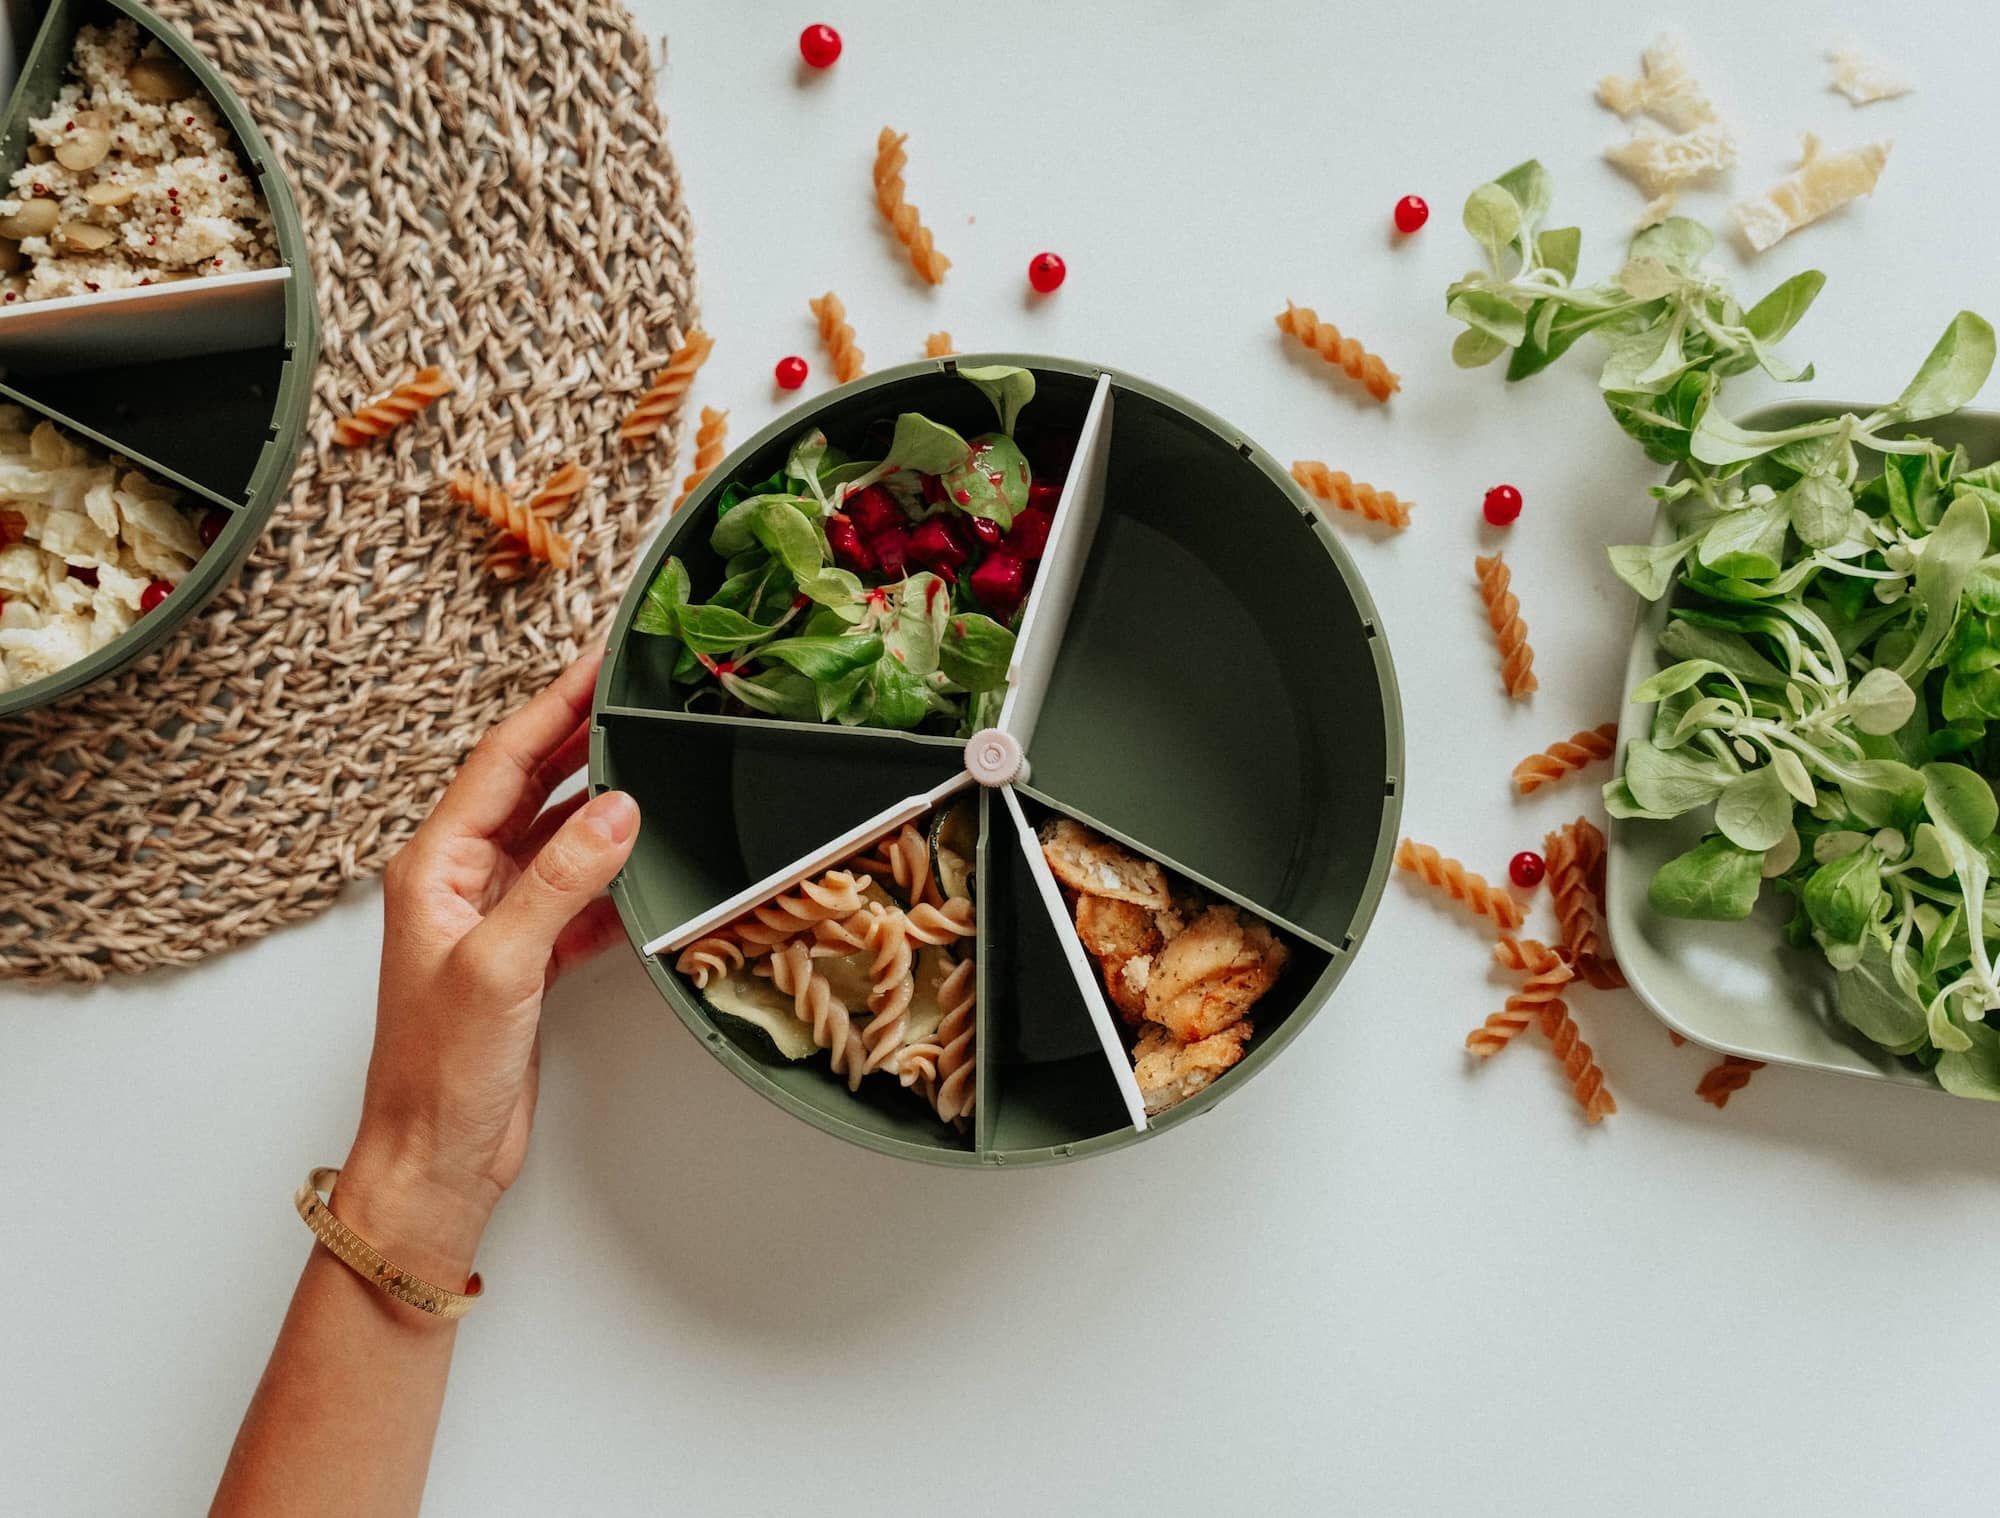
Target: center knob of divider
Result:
[995, 758]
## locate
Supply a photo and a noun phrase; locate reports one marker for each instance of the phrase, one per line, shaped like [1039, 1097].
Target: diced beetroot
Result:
[1030, 534]
[1044, 495]
[1000, 581]
[874, 511]
[844, 539]
[933, 545]
[986, 530]
[933, 488]
[892, 550]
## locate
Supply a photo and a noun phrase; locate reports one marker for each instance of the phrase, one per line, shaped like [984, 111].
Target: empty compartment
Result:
[1222, 692]
[639, 671]
[1217, 987]
[1049, 1084]
[205, 421]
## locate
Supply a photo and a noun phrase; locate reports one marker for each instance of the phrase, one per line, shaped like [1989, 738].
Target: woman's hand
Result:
[483, 908]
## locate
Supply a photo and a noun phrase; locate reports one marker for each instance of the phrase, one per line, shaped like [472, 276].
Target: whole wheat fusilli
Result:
[1579, 1065]
[1720, 1082]
[384, 415]
[1325, 339]
[1338, 488]
[534, 534]
[890, 989]
[1548, 972]
[837, 337]
[791, 971]
[836, 894]
[512, 558]
[668, 393]
[709, 445]
[939, 925]
[1460, 884]
[1565, 757]
[891, 200]
[1503, 615]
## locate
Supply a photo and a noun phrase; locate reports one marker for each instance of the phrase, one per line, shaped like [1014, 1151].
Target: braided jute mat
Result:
[486, 185]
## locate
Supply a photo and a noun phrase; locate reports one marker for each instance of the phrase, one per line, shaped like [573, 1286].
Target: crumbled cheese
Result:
[1863, 79]
[1821, 183]
[1665, 89]
[1659, 162]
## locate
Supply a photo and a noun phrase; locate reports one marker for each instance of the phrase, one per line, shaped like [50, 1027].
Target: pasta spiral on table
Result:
[836, 894]
[1325, 339]
[1566, 757]
[708, 449]
[891, 988]
[1579, 1065]
[1574, 855]
[1720, 1082]
[1460, 884]
[710, 958]
[957, 1086]
[1338, 488]
[791, 971]
[938, 345]
[939, 925]
[1548, 973]
[837, 337]
[664, 397]
[903, 219]
[536, 536]
[1503, 614]
[557, 494]
[383, 416]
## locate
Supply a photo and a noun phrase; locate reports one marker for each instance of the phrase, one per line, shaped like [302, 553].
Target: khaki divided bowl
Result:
[1221, 699]
[201, 384]
[1737, 987]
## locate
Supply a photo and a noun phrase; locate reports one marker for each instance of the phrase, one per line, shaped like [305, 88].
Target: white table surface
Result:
[1376, 1281]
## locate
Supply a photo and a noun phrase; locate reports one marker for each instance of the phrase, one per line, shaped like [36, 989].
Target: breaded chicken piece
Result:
[1209, 976]
[1116, 929]
[1169, 1072]
[1096, 866]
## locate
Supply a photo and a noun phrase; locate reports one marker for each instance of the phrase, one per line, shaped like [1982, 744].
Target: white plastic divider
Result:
[846, 845]
[1074, 530]
[219, 313]
[1079, 964]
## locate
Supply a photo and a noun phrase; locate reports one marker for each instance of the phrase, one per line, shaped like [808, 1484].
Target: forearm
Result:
[345, 1415]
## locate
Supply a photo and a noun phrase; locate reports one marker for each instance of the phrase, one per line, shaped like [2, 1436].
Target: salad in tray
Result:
[1833, 642]
[881, 590]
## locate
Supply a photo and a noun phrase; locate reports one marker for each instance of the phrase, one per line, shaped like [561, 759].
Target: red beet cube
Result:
[844, 540]
[933, 545]
[1000, 581]
[891, 550]
[874, 511]
[1030, 534]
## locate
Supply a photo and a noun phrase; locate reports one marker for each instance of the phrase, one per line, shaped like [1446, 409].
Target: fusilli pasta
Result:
[1338, 488]
[1503, 614]
[791, 971]
[957, 1086]
[1566, 757]
[383, 416]
[708, 959]
[938, 345]
[836, 894]
[946, 924]
[708, 448]
[1325, 339]
[905, 857]
[1544, 985]
[1720, 1082]
[664, 397]
[1574, 855]
[1579, 1066]
[511, 559]
[837, 337]
[891, 987]
[1459, 883]
[896, 209]
[536, 537]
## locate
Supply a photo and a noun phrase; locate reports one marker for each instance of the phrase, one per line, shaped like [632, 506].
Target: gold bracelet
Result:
[364, 1260]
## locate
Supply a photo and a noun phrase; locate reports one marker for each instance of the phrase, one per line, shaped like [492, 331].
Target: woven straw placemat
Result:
[485, 186]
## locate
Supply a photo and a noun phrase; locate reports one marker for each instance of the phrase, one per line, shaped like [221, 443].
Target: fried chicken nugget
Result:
[1096, 866]
[1124, 938]
[1169, 1072]
[1209, 976]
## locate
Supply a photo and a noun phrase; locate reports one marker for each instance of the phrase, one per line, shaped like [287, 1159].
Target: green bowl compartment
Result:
[1223, 702]
[225, 428]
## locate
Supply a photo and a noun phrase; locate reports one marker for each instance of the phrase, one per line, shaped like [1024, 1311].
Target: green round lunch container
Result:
[1222, 700]
[206, 390]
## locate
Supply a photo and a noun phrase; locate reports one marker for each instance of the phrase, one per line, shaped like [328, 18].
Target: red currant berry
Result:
[211, 527]
[1526, 869]
[151, 597]
[819, 45]
[1411, 213]
[1046, 271]
[1503, 504]
[791, 372]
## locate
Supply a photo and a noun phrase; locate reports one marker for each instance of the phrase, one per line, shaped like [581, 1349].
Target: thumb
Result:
[565, 876]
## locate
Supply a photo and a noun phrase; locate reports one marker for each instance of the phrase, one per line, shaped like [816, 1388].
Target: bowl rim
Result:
[1267, 1047]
